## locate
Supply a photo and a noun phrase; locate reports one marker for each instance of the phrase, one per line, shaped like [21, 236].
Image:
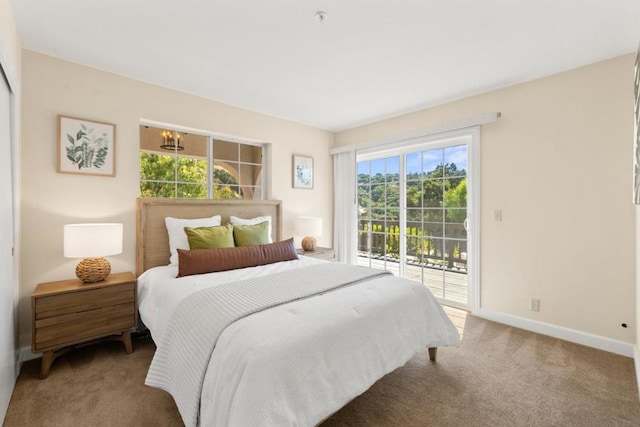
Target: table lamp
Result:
[311, 227]
[92, 242]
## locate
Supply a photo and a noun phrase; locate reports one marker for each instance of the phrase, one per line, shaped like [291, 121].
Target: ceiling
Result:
[367, 61]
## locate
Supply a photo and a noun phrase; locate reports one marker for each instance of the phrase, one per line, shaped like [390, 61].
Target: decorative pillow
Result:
[234, 220]
[221, 259]
[251, 235]
[177, 236]
[210, 237]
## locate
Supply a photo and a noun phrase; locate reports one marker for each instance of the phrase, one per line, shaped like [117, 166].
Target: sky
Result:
[418, 162]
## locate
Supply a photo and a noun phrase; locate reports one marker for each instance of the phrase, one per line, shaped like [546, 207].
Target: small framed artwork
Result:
[86, 147]
[302, 172]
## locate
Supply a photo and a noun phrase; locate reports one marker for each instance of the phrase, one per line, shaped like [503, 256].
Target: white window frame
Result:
[212, 136]
[471, 137]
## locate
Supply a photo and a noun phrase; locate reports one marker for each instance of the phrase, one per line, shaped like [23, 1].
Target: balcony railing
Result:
[380, 239]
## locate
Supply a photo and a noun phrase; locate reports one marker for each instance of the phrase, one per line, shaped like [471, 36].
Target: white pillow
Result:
[177, 236]
[252, 221]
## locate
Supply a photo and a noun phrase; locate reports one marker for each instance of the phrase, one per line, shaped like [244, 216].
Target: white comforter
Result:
[298, 363]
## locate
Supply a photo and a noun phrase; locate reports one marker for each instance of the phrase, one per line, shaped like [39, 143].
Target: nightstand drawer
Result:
[69, 313]
[74, 302]
[70, 328]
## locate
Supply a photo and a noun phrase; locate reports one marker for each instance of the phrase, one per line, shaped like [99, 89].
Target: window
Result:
[188, 165]
[413, 214]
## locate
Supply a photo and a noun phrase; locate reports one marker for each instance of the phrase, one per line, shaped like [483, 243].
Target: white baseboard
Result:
[25, 354]
[584, 338]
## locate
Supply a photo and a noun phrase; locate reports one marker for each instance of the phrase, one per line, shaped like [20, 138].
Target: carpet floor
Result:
[497, 376]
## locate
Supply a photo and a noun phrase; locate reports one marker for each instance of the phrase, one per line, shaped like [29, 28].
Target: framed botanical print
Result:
[302, 172]
[86, 147]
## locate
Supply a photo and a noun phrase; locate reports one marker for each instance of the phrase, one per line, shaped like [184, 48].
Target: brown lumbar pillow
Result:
[201, 261]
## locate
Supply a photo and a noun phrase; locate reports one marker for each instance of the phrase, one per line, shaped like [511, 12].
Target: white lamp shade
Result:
[92, 240]
[308, 226]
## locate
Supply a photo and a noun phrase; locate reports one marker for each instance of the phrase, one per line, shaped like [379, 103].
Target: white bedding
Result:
[159, 291]
[298, 363]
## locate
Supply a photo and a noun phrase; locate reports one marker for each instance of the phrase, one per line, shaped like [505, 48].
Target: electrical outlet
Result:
[497, 215]
[534, 304]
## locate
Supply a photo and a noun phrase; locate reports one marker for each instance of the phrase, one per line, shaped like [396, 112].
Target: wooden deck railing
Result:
[382, 240]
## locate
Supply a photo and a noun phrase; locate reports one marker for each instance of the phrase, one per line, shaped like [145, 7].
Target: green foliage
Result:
[166, 175]
[87, 150]
[428, 196]
[456, 197]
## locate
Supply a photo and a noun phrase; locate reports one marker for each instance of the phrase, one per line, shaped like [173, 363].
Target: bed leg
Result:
[432, 353]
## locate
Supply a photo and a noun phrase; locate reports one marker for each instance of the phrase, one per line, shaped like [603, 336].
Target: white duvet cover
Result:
[297, 363]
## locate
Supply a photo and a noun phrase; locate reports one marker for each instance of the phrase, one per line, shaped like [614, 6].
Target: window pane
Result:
[363, 172]
[392, 169]
[224, 173]
[192, 170]
[192, 191]
[433, 192]
[250, 174]
[377, 170]
[191, 162]
[433, 250]
[157, 189]
[377, 243]
[414, 248]
[363, 241]
[364, 197]
[434, 280]
[456, 192]
[433, 215]
[432, 163]
[250, 153]
[378, 197]
[414, 194]
[226, 192]
[251, 193]
[455, 215]
[392, 216]
[225, 150]
[432, 229]
[257, 193]
[363, 225]
[364, 213]
[453, 251]
[413, 166]
[414, 216]
[392, 196]
[157, 167]
[455, 231]
[456, 160]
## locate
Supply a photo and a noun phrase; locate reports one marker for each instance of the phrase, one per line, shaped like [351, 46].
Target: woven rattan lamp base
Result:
[309, 243]
[91, 270]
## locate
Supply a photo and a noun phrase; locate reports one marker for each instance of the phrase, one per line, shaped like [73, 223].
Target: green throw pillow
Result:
[210, 237]
[251, 235]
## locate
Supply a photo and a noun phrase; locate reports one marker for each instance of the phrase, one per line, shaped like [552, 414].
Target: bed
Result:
[276, 359]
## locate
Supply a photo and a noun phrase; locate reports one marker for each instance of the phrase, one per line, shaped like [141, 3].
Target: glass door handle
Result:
[466, 224]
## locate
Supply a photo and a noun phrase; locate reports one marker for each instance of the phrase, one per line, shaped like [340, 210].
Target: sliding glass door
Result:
[413, 215]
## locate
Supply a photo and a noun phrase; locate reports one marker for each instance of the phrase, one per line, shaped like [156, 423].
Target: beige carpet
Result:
[497, 376]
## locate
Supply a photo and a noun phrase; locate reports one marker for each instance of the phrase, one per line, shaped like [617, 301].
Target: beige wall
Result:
[50, 199]
[9, 40]
[559, 165]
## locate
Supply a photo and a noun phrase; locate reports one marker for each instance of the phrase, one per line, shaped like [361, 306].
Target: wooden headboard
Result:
[152, 239]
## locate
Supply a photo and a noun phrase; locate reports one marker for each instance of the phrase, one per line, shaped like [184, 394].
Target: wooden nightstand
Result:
[70, 312]
[327, 254]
